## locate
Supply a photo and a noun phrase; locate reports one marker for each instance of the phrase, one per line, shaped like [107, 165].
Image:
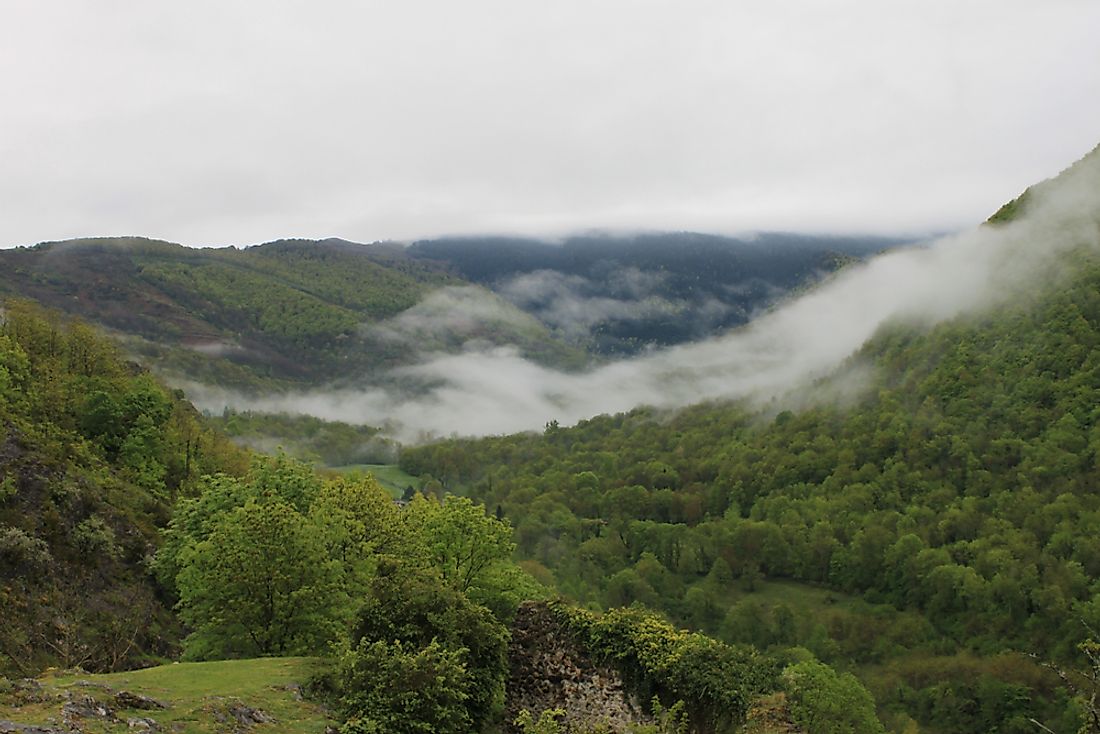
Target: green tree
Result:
[414, 607]
[394, 688]
[260, 584]
[462, 541]
[358, 521]
[825, 702]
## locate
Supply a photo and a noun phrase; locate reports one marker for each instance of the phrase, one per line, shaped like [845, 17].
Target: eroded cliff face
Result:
[548, 671]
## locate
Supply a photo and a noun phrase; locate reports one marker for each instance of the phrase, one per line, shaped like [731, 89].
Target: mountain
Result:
[922, 517]
[931, 525]
[286, 312]
[621, 294]
[306, 313]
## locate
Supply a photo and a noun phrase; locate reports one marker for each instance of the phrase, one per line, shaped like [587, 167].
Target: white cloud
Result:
[237, 121]
[496, 391]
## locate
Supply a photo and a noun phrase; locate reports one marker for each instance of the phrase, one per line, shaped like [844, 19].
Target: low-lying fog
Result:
[487, 390]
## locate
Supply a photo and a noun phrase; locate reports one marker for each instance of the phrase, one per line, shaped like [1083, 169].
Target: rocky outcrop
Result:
[770, 715]
[235, 716]
[11, 727]
[129, 700]
[549, 671]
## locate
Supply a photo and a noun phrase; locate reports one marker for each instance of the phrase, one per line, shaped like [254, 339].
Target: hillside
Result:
[189, 698]
[93, 453]
[928, 532]
[921, 518]
[284, 312]
[306, 313]
[133, 534]
[286, 326]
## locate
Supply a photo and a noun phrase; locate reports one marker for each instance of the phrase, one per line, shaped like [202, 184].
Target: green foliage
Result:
[417, 609]
[268, 563]
[358, 521]
[714, 681]
[306, 438]
[390, 687]
[93, 537]
[92, 453]
[821, 700]
[282, 561]
[260, 318]
[546, 723]
[7, 488]
[259, 584]
[1011, 210]
[672, 720]
[954, 495]
[463, 542]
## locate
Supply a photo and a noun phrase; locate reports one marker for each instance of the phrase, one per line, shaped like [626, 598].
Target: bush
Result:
[825, 702]
[401, 689]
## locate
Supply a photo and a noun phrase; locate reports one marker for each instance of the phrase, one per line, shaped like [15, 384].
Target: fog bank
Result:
[494, 390]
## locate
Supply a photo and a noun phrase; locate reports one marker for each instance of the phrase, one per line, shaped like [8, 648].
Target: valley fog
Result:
[484, 391]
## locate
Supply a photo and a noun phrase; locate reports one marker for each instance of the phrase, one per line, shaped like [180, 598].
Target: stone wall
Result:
[548, 671]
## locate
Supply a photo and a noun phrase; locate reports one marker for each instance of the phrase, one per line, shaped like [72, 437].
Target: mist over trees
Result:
[905, 543]
[949, 507]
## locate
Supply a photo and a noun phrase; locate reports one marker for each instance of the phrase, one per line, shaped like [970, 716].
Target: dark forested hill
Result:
[621, 294]
[305, 313]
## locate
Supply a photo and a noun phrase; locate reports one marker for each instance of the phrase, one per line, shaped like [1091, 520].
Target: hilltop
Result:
[299, 313]
[282, 313]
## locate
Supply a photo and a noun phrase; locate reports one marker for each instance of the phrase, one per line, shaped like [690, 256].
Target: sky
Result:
[230, 122]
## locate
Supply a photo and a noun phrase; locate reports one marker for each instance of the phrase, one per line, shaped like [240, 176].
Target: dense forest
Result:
[264, 317]
[906, 545]
[132, 533]
[935, 535]
[93, 454]
[296, 313]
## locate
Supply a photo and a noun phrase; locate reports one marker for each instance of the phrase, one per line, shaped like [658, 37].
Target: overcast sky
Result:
[228, 122]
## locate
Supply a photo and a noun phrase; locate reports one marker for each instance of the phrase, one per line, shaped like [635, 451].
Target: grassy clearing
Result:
[389, 476]
[199, 697]
[803, 599]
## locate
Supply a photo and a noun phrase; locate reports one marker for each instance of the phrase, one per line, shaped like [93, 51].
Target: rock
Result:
[129, 700]
[247, 716]
[83, 707]
[28, 690]
[143, 724]
[548, 671]
[11, 727]
[244, 717]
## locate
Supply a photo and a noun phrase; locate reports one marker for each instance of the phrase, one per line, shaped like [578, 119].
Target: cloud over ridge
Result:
[495, 390]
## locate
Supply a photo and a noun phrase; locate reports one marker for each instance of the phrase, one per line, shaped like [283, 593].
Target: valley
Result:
[855, 493]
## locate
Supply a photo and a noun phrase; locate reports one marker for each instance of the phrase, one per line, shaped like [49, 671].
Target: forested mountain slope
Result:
[290, 311]
[300, 313]
[93, 453]
[128, 531]
[955, 498]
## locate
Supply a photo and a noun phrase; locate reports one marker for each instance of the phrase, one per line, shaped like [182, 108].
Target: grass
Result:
[197, 695]
[803, 599]
[389, 476]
